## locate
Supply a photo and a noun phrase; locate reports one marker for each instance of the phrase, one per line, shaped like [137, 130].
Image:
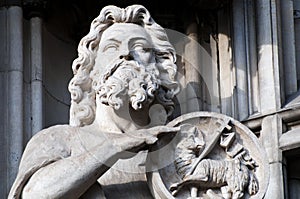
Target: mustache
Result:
[111, 69]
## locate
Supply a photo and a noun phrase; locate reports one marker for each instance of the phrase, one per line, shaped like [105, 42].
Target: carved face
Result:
[98, 78]
[124, 41]
[125, 66]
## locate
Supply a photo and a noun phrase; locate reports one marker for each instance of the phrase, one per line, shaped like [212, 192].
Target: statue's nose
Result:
[127, 57]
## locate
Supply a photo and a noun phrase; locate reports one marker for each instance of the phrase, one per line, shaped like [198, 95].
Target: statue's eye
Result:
[139, 47]
[110, 48]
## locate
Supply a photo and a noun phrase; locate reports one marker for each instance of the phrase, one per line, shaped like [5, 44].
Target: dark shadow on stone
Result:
[131, 190]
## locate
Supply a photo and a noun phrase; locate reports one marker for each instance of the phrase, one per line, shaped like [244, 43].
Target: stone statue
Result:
[125, 66]
[122, 96]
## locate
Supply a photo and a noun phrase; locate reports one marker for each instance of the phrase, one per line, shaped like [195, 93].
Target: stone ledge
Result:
[290, 140]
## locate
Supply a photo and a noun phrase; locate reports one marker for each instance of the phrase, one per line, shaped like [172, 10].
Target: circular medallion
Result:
[212, 156]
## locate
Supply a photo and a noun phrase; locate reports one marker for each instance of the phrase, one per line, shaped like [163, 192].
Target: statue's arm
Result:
[70, 177]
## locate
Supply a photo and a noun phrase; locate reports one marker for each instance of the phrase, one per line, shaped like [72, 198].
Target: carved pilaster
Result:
[270, 134]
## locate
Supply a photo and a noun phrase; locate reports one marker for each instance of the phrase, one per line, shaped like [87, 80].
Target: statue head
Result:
[125, 57]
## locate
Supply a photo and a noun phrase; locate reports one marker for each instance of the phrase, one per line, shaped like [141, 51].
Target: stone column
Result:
[268, 57]
[250, 30]
[14, 130]
[192, 70]
[36, 74]
[240, 59]
[270, 134]
[34, 11]
[288, 47]
[225, 63]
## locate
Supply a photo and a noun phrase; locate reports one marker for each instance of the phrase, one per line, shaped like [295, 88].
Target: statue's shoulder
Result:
[59, 132]
[57, 140]
[61, 128]
[49, 145]
[45, 147]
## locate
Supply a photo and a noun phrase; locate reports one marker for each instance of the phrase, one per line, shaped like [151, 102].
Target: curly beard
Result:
[127, 79]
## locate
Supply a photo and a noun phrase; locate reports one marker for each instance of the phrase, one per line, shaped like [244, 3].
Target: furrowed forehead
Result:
[121, 31]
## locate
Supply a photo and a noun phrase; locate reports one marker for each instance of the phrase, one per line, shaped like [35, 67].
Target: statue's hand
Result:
[150, 135]
[137, 140]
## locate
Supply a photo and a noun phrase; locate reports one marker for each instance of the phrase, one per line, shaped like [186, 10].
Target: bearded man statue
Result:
[125, 69]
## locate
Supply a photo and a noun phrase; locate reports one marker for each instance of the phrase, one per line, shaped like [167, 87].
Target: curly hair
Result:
[83, 103]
